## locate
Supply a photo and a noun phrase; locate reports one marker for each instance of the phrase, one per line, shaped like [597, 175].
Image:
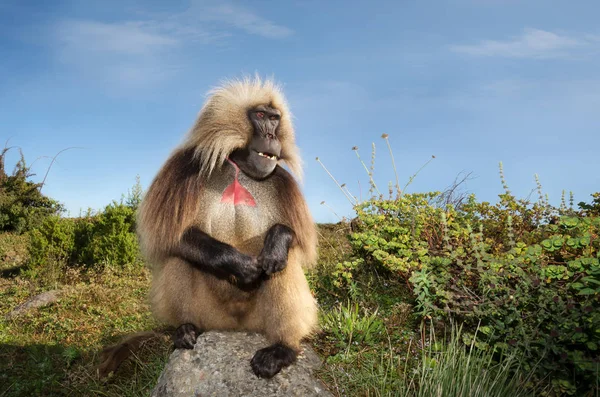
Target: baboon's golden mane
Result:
[223, 125]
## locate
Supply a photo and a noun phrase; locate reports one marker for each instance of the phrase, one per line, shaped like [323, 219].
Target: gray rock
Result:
[43, 299]
[219, 365]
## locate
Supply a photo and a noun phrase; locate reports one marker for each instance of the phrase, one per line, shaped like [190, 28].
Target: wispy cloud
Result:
[247, 21]
[119, 38]
[126, 53]
[532, 43]
[536, 99]
[149, 48]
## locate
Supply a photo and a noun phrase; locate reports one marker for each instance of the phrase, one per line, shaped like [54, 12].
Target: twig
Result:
[336, 182]
[331, 209]
[371, 181]
[344, 186]
[41, 157]
[52, 162]
[417, 173]
[385, 136]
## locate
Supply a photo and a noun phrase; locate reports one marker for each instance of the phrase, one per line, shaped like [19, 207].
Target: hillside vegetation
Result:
[424, 294]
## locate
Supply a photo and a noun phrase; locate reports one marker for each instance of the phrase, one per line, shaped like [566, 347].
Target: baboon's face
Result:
[259, 158]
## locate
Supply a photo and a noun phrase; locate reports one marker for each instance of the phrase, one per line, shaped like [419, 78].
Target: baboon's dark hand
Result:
[274, 255]
[210, 255]
[249, 272]
[272, 265]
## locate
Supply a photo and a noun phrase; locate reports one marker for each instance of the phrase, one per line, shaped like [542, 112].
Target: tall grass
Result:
[445, 367]
[453, 369]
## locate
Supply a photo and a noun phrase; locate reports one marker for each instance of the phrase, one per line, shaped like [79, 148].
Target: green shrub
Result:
[54, 239]
[592, 208]
[22, 205]
[109, 237]
[530, 276]
[13, 250]
[526, 272]
[105, 238]
[396, 233]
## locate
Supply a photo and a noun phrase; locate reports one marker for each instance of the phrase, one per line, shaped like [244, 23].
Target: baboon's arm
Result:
[210, 255]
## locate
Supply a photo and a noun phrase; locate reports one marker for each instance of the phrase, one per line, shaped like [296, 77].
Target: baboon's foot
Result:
[267, 362]
[185, 336]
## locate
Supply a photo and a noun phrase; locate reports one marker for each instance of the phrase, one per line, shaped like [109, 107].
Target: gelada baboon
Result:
[227, 230]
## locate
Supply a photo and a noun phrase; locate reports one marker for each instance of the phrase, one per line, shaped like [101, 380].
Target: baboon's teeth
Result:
[267, 156]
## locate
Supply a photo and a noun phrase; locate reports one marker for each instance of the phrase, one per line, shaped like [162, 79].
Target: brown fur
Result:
[187, 192]
[112, 357]
[171, 203]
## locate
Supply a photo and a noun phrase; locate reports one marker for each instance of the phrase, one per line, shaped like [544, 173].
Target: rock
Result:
[43, 299]
[219, 365]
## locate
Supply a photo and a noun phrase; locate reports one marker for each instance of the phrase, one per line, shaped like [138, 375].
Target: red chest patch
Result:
[236, 193]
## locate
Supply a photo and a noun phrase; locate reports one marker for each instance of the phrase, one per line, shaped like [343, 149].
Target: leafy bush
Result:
[53, 240]
[528, 274]
[107, 237]
[594, 207]
[13, 251]
[22, 205]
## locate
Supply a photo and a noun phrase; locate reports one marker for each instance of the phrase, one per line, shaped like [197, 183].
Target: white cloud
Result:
[123, 38]
[532, 43]
[151, 47]
[246, 21]
[126, 53]
[542, 99]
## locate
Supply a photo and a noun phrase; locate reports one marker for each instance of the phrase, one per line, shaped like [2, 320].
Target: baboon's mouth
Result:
[269, 156]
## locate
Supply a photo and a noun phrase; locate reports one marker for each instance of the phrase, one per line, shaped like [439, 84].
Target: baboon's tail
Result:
[111, 357]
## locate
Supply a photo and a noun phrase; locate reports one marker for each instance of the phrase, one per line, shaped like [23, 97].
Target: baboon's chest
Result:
[238, 210]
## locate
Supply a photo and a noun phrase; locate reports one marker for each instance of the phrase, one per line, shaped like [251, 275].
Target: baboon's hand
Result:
[210, 255]
[274, 255]
[249, 272]
[272, 263]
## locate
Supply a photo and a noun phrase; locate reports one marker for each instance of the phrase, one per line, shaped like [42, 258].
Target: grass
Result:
[449, 368]
[369, 339]
[363, 326]
[372, 345]
[53, 350]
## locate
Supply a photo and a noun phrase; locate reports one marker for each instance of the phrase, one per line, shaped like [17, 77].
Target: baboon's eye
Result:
[274, 117]
[260, 115]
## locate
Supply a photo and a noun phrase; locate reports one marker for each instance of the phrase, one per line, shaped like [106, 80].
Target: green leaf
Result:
[570, 221]
[546, 243]
[485, 329]
[591, 280]
[577, 285]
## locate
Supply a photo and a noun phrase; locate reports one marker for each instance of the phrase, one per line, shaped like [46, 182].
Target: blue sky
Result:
[473, 82]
